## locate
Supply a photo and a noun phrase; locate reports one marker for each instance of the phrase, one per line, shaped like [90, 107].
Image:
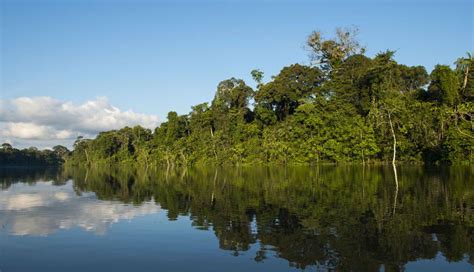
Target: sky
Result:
[77, 67]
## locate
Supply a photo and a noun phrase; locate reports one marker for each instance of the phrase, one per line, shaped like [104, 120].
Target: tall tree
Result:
[289, 88]
[465, 66]
[328, 54]
[444, 86]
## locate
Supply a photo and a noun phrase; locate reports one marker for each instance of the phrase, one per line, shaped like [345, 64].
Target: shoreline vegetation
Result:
[345, 107]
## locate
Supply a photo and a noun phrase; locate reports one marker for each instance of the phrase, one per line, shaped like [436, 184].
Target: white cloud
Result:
[44, 120]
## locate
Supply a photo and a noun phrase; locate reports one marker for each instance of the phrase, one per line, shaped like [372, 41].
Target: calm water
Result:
[239, 219]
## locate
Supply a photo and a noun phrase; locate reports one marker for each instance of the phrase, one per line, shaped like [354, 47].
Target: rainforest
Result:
[341, 107]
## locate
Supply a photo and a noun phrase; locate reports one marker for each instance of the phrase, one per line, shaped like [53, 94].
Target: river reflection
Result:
[43, 209]
[329, 218]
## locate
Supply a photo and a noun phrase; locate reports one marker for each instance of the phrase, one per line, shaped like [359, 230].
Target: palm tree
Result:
[463, 64]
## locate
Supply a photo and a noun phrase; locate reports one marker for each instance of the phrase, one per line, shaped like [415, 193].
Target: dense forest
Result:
[343, 107]
[32, 156]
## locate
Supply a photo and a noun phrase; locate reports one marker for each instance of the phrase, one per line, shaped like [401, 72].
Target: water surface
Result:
[237, 219]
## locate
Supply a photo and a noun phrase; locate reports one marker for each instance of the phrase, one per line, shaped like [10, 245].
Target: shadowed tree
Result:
[288, 89]
[444, 86]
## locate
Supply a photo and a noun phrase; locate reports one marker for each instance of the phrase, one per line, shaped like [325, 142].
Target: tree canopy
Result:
[344, 107]
[10, 156]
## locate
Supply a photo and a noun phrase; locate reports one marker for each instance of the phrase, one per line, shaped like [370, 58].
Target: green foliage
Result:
[257, 75]
[12, 157]
[465, 71]
[294, 84]
[348, 107]
[328, 54]
[444, 87]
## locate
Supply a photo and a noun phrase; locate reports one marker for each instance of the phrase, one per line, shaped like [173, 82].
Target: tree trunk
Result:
[213, 144]
[393, 161]
[87, 157]
[465, 78]
[394, 139]
[87, 175]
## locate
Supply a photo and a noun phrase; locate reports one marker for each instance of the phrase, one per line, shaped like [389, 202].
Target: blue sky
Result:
[151, 57]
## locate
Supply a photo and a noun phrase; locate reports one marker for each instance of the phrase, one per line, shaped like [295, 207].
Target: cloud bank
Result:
[45, 121]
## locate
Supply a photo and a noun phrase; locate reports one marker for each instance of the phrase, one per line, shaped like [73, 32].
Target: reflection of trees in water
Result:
[11, 175]
[335, 217]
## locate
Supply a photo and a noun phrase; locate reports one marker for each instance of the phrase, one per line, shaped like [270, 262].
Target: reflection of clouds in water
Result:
[61, 196]
[43, 209]
[21, 202]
